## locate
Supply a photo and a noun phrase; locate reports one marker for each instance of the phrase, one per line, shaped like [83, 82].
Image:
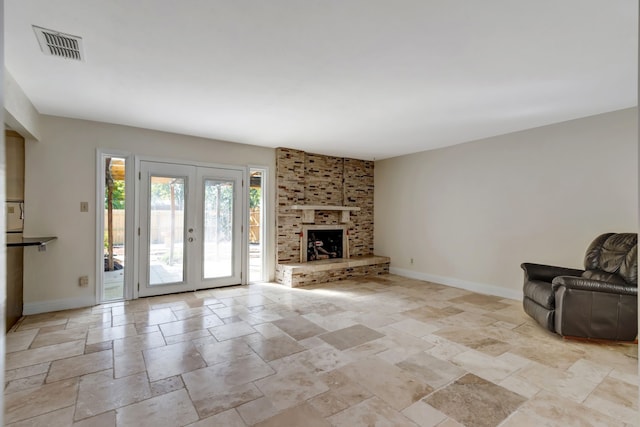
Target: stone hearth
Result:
[307, 273]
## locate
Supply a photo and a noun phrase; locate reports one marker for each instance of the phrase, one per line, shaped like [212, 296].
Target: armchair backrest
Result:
[614, 253]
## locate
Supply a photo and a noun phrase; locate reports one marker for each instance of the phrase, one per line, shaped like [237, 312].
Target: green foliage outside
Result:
[218, 213]
[160, 193]
[118, 195]
[254, 198]
[117, 202]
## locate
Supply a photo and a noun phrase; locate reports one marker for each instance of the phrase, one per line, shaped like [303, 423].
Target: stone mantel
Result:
[309, 212]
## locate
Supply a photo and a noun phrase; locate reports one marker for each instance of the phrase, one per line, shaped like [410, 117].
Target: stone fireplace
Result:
[324, 218]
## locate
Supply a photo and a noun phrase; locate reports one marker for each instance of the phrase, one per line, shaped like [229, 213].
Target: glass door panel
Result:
[166, 230]
[218, 228]
[114, 226]
[256, 224]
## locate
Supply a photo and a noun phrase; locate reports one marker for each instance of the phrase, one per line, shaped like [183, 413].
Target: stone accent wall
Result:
[313, 179]
[289, 191]
[358, 191]
[323, 180]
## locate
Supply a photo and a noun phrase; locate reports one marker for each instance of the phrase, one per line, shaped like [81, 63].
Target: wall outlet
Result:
[410, 260]
[84, 206]
[83, 281]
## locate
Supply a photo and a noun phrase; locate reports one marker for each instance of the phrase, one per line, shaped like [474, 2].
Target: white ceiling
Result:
[358, 78]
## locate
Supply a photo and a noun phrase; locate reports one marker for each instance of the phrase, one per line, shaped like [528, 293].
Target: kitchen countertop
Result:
[17, 240]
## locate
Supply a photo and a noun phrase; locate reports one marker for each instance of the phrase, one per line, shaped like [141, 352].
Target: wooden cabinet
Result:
[15, 270]
[14, 176]
[14, 160]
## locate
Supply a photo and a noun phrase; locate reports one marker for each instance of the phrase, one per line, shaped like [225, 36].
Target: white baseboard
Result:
[57, 305]
[480, 288]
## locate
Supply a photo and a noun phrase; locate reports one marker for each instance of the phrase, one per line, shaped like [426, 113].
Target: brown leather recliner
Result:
[599, 302]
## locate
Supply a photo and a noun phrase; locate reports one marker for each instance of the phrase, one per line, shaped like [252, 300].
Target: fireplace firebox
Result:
[320, 242]
[324, 244]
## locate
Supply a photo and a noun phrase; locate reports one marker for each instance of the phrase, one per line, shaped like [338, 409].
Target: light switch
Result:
[84, 206]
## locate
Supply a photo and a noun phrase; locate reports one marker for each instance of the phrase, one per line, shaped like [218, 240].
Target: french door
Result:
[190, 227]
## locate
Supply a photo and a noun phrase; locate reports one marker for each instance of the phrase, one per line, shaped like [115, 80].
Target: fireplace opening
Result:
[324, 244]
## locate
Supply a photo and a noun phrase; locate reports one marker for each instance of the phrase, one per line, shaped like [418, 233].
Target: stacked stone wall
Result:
[314, 179]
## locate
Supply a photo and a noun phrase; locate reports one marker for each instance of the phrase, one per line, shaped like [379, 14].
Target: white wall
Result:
[19, 112]
[470, 214]
[61, 172]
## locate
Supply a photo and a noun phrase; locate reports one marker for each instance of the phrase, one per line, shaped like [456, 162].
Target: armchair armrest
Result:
[547, 272]
[592, 285]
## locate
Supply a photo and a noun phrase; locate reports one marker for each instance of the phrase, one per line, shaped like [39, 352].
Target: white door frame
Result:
[129, 250]
[264, 213]
[188, 173]
[244, 203]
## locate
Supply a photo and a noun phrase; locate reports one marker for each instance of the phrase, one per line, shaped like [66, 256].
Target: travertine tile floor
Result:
[383, 351]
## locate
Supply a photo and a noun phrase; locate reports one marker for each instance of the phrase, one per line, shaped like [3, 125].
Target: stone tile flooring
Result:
[383, 351]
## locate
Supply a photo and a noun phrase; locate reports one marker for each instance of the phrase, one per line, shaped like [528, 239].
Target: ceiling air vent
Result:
[55, 43]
